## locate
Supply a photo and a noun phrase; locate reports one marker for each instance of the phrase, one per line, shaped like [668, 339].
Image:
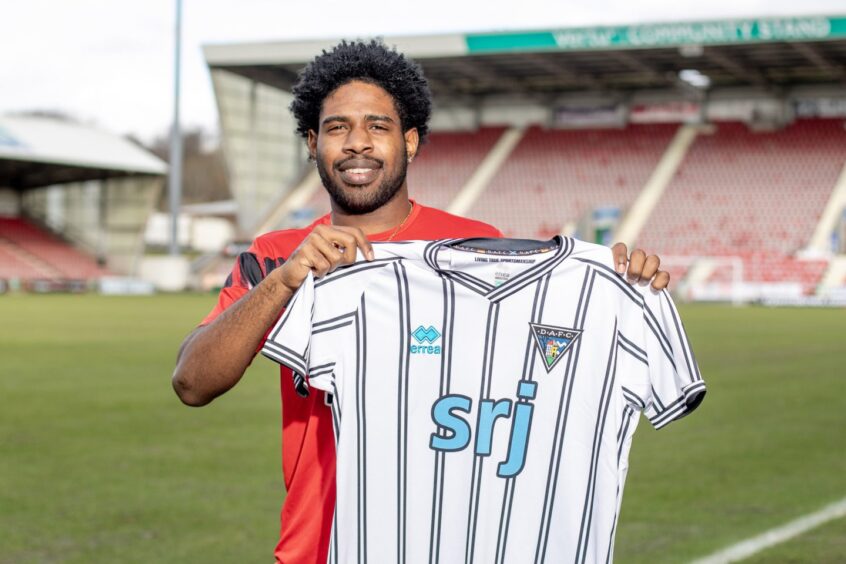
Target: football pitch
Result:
[99, 462]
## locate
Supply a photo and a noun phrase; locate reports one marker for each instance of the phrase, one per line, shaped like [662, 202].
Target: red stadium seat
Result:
[28, 252]
[555, 177]
[757, 195]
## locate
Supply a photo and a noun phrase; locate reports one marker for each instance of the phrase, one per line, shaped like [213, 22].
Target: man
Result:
[363, 110]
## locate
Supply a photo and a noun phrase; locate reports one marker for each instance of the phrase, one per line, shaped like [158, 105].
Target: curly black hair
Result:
[372, 62]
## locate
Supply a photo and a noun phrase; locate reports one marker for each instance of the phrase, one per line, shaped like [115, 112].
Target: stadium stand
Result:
[317, 205]
[776, 269]
[446, 162]
[639, 164]
[756, 195]
[15, 263]
[556, 177]
[27, 252]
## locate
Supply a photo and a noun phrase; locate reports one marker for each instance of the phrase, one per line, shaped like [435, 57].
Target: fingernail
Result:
[621, 268]
[370, 255]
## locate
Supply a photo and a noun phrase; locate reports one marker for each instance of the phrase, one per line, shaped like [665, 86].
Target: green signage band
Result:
[662, 35]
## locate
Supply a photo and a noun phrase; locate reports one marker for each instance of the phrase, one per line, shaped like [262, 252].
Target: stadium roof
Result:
[772, 53]
[40, 151]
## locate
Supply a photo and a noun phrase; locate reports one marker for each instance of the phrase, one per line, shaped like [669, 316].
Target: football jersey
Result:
[308, 450]
[484, 396]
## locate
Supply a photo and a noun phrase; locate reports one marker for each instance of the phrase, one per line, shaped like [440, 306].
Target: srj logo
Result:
[424, 335]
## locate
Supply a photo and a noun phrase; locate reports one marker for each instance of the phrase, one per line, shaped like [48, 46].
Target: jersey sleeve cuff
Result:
[285, 356]
[692, 396]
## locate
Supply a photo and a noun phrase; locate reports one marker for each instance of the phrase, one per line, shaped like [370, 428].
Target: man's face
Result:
[360, 149]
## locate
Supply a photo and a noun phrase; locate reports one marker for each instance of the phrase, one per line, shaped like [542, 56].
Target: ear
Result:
[311, 143]
[412, 141]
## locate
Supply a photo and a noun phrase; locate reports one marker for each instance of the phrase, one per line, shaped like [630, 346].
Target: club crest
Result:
[553, 342]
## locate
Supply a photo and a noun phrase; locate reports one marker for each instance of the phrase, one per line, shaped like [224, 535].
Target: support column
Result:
[475, 186]
[650, 195]
[820, 240]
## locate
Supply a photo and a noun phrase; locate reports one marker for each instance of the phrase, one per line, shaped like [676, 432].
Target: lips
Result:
[359, 172]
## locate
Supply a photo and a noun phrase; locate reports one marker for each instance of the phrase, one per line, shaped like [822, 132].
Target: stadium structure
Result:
[74, 201]
[719, 145]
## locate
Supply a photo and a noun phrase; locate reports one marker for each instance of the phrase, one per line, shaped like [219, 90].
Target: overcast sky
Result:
[109, 62]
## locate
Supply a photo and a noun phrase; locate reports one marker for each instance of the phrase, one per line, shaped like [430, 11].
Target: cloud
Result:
[112, 61]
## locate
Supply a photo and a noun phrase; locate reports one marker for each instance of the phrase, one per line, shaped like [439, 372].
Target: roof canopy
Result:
[40, 151]
[766, 52]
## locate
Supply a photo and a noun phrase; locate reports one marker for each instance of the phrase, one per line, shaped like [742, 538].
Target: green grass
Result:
[99, 462]
[766, 446]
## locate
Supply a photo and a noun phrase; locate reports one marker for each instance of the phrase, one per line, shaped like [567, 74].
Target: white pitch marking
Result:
[775, 536]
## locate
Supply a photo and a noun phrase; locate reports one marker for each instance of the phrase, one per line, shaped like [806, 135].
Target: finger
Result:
[636, 262]
[621, 257]
[661, 280]
[341, 240]
[316, 261]
[346, 243]
[333, 255]
[650, 267]
[360, 241]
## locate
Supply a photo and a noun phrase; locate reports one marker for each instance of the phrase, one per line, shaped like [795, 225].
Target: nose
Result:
[358, 140]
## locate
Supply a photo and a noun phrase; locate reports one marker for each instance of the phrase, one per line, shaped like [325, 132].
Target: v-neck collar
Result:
[487, 290]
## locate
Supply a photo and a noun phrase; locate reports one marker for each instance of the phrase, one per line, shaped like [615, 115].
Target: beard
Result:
[359, 200]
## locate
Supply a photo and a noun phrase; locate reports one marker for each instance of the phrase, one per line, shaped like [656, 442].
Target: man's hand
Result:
[213, 357]
[324, 249]
[640, 266]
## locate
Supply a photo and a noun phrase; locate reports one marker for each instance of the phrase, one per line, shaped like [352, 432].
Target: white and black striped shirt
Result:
[485, 394]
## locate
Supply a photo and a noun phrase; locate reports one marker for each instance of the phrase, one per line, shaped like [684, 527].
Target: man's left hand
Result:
[640, 266]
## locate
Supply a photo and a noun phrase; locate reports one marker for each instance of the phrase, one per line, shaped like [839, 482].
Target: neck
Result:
[382, 219]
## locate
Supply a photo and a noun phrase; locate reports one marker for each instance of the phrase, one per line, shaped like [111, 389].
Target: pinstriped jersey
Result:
[485, 395]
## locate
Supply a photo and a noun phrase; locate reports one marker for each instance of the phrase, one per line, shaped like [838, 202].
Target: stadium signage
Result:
[665, 112]
[663, 35]
[820, 107]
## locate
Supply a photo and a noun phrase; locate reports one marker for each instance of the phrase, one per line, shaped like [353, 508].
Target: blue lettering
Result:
[455, 425]
[519, 431]
[489, 411]
[424, 349]
[454, 432]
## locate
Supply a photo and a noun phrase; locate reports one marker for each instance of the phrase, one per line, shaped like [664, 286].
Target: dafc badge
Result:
[553, 342]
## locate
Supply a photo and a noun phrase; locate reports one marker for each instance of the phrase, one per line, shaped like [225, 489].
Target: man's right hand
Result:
[214, 357]
[322, 251]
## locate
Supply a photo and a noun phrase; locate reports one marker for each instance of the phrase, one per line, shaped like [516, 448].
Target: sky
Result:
[110, 62]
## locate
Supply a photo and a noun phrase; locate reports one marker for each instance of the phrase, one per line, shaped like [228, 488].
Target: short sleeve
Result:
[312, 333]
[293, 343]
[675, 385]
[249, 269]
[289, 340]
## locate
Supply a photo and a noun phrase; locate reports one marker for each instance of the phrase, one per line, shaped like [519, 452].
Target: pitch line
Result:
[775, 536]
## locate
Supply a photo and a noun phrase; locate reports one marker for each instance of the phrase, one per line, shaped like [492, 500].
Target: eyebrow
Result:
[371, 117]
[368, 117]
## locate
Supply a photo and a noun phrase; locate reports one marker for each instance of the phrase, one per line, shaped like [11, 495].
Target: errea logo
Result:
[426, 338]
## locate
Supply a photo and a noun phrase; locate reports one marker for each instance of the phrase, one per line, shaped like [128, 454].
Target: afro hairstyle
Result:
[372, 62]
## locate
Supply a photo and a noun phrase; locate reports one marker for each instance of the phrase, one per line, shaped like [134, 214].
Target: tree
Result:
[204, 175]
